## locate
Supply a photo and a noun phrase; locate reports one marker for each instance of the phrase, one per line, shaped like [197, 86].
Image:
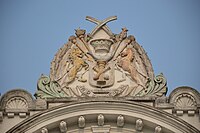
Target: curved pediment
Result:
[109, 116]
[16, 100]
[101, 63]
[101, 82]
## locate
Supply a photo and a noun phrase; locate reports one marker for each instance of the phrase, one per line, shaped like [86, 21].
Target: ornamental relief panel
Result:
[101, 63]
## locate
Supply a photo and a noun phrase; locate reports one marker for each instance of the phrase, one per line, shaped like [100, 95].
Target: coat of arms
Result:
[102, 63]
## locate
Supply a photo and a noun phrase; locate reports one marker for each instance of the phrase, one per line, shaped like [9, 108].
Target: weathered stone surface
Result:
[139, 117]
[185, 98]
[48, 88]
[101, 82]
[17, 101]
[101, 64]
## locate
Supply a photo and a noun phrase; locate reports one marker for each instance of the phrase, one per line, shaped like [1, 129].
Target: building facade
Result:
[101, 82]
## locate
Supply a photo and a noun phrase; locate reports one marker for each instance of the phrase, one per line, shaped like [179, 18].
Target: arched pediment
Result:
[17, 100]
[103, 116]
[101, 82]
[185, 98]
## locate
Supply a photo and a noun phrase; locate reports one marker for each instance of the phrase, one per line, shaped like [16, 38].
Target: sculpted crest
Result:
[101, 63]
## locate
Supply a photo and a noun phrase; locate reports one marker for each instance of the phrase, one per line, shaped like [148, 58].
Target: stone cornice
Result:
[114, 107]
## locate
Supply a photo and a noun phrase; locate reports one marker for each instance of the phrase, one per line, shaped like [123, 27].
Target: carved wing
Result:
[145, 66]
[61, 62]
[155, 86]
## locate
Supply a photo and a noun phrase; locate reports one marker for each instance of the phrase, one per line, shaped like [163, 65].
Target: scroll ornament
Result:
[51, 89]
[155, 87]
[48, 89]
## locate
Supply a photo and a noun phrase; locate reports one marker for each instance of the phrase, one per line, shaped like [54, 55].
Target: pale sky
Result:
[31, 32]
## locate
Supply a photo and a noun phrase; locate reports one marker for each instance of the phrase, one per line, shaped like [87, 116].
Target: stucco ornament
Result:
[101, 63]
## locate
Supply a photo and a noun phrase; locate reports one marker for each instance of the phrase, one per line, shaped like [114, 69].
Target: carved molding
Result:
[95, 114]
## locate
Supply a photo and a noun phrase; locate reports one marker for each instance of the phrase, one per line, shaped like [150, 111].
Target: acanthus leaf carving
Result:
[48, 89]
[156, 87]
[51, 89]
